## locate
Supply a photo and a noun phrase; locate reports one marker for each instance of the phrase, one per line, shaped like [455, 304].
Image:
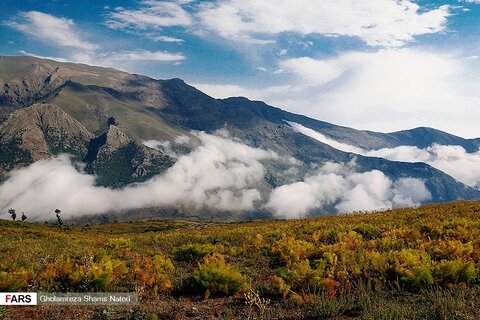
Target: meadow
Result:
[415, 263]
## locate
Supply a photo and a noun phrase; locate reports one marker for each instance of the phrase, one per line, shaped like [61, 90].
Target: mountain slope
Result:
[424, 137]
[43, 130]
[104, 115]
[36, 133]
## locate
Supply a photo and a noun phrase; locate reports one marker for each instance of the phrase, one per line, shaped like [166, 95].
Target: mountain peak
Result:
[115, 138]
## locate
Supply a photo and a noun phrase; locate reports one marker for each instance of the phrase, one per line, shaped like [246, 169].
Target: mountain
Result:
[101, 116]
[421, 137]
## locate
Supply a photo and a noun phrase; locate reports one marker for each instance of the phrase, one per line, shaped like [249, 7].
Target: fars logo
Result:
[18, 299]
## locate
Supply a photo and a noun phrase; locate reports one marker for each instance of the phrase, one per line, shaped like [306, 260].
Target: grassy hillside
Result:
[403, 264]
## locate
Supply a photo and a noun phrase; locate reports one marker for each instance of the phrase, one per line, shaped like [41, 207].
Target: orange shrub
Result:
[152, 273]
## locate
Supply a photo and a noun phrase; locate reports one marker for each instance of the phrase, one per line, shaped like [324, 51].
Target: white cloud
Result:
[63, 33]
[453, 160]
[166, 39]
[401, 153]
[313, 72]
[124, 60]
[48, 28]
[152, 14]
[220, 173]
[344, 189]
[376, 22]
[221, 91]
[141, 55]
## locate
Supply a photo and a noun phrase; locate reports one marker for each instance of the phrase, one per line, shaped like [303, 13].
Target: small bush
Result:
[411, 269]
[457, 271]
[308, 280]
[118, 247]
[193, 252]
[368, 232]
[278, 287]
[15, 280]
[216, 277]
[4, 312]
[62, 275]
[152, 274]
[103, 273]
[289, 250]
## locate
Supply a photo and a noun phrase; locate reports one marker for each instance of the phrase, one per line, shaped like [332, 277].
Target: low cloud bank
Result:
[220, 173]
[340, 186]
[453, 160]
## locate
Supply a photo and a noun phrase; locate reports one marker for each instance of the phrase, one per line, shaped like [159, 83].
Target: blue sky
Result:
[372, 64]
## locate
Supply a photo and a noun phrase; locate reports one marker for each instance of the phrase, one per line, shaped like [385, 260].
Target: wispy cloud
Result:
[151, 14]
[60, 59]
[166, 39]
[117, 60]
[378, 23]
[324, 139]
[141, 55]
[51, 29]
[453, 160]
[62, 33]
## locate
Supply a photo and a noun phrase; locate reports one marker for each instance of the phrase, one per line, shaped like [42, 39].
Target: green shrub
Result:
[15, 280]
[216, 277]
[193, 252]
[103, 273]
[457, 271]
[117, 244]
[332, 237]
[288, 250]
[301, 276]
[410, 269]
[368, 231]
[4, 312]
